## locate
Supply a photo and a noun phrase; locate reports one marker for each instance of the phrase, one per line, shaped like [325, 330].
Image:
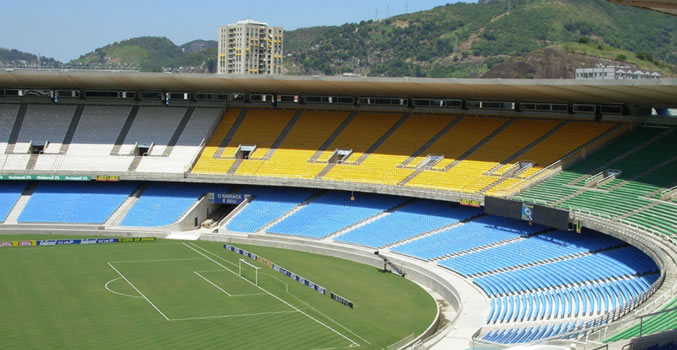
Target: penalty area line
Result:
[193, 248]
[221, 289]
[291, 294]
[138, 291]
[118, 293]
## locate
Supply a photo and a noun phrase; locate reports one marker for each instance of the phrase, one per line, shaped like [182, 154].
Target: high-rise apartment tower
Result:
[250, 47]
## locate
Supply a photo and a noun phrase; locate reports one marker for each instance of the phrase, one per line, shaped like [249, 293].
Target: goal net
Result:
[249, 271]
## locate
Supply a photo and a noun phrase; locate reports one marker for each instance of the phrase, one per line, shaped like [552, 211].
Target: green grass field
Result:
[189, 295]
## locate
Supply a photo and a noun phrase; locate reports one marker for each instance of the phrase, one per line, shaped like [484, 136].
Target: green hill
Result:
[468, 40]
[18, 58]
[152, 54]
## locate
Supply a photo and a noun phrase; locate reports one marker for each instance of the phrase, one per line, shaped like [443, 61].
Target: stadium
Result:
[157, 210]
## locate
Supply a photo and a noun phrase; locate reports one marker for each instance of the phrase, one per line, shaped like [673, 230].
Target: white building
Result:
[250, 47]
[612, 72]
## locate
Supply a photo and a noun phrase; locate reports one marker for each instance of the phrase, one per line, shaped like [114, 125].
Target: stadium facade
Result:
[442, 176]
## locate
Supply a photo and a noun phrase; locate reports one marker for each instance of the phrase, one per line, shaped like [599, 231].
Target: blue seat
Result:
[332, 212]
[75, 202]
[268, 204]
[163, 203]
[10, 191]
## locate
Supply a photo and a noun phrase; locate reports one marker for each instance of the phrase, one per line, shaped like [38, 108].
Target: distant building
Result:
[250, 47]
[612, 72]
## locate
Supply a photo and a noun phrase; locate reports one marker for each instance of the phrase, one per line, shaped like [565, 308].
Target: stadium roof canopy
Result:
[655, 92]
[667, 6]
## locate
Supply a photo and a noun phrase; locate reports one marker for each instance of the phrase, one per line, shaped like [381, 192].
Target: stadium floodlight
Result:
[246, 273]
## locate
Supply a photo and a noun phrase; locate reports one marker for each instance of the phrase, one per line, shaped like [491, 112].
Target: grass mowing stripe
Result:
[190, 245]
[55, 298]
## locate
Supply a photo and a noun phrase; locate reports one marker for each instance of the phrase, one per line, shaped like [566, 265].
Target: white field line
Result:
[193, 247]
[297, 298]
[138, 291]
[239, 315]
[340, 347]
[219, 288]
[158, 260]
[118, 293]
[329, 318]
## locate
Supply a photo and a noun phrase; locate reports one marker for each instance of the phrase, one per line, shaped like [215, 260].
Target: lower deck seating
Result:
[162, 204]
[75, 202]
[10, 191]
[269, 203]
[411, 220]
[539, 248]
[470, 235]
[332, 212]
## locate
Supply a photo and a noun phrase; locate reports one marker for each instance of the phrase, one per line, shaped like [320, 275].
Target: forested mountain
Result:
[469, 40]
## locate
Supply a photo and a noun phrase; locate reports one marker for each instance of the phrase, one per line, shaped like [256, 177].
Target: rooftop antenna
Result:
[406, 7]
[376, 17]
[388, 11]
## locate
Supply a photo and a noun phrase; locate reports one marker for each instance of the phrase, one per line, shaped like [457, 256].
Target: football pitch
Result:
[188, 295]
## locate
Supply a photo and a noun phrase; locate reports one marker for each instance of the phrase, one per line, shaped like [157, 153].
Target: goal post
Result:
[249, 271]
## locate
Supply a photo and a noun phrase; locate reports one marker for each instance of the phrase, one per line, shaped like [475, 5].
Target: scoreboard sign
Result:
[342, 300]
[226, 198]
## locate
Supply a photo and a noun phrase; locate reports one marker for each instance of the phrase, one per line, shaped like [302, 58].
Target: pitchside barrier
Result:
[52, 242]
[277, 268]
[290, 274]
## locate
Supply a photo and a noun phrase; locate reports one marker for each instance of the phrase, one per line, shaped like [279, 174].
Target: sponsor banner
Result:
[342, 300]
[470, 203]
[278, 268]
[226, 198]
[135, 239]
[54, 242]
[527, 212]
[107, 178]
[24, 243]
[98, 240]
[46, 177]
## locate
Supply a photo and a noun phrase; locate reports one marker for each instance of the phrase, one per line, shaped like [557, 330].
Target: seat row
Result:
[591, 299]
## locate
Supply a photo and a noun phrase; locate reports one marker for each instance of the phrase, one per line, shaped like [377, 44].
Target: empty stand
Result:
[333, 211]
[268, 204]
[411, 220]
[292, 157]
[92, 142]
[151, 130]
[44, 128]
[653, 324]
[539, 248]
[362, 132]
[468, 174]
[163, 204]
[7, 117]
[647, 161]
[468, 236]
[381, 165]
[180, 153]
[75, 202]
[210, 161]
[10, 191]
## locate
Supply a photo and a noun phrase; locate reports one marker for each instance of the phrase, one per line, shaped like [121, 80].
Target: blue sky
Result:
[66, 29]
